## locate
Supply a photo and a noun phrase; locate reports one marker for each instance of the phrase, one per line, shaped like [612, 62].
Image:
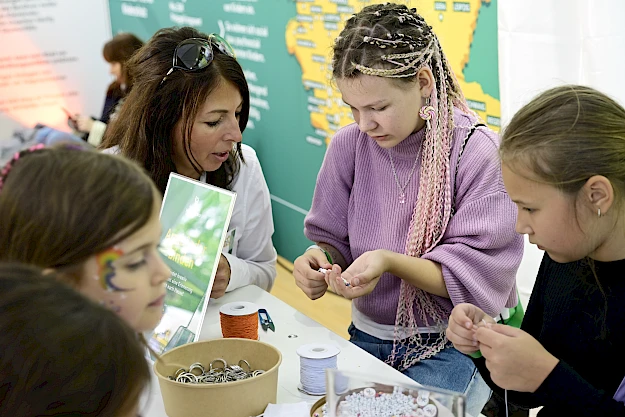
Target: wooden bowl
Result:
[244, 398]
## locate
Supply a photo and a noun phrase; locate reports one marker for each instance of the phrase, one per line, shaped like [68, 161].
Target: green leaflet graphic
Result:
[195, 218]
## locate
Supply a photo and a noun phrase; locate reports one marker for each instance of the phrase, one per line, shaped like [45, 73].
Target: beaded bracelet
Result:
[327, 254]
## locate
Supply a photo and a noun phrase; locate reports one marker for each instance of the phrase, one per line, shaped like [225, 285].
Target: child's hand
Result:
[361, 277]
[307, 275]
[515, 359]
[464, 320]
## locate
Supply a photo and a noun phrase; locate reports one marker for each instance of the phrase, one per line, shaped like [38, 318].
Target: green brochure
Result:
[195, 218]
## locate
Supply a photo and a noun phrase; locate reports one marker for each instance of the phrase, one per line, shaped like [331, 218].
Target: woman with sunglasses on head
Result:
[188, 118]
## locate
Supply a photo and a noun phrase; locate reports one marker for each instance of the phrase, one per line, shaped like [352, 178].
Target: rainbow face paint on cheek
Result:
[106, 270]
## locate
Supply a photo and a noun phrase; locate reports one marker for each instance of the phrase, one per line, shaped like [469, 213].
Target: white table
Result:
[287, 321]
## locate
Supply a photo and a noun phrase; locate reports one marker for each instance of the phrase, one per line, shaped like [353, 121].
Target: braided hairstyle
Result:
[392, 41]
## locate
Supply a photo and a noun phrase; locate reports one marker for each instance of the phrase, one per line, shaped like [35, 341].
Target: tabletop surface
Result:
[292, 329]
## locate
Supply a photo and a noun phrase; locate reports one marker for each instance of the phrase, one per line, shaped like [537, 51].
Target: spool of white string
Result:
[314, 360]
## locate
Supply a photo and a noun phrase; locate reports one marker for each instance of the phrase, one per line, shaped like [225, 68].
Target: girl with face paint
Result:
[92, 218]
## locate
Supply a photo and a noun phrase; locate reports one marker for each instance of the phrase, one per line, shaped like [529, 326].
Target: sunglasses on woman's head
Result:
[197, 53]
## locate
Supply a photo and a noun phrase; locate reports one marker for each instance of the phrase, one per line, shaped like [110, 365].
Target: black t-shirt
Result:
[570, 316]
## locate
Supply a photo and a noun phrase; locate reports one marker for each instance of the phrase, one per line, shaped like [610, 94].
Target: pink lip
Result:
[222, 157]
[158, 302]
[380, 138]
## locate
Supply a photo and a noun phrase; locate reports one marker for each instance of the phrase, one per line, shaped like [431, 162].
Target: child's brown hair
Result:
[60, 206]
[63, 354]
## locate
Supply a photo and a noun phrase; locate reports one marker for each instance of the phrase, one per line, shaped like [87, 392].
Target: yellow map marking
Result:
[311, 34]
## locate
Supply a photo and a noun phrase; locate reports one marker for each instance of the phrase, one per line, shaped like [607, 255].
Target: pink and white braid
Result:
[430, 218]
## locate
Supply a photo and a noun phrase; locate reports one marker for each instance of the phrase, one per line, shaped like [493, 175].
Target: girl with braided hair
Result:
[410, 216]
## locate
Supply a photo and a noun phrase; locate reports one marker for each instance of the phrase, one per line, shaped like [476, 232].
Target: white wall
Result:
[544, 43]
[51, 56]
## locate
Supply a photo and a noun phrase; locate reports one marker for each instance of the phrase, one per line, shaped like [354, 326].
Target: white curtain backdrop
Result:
[545, 43]
[78, 82]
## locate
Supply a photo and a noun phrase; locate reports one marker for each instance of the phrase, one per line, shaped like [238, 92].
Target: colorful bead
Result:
[427, 112]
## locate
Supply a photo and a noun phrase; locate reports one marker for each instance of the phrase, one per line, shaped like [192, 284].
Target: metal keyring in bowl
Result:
[249, 368]
[197, 366]
[223, 368]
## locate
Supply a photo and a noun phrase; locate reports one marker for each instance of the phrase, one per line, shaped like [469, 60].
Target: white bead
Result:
[430, 410]
[423, 399]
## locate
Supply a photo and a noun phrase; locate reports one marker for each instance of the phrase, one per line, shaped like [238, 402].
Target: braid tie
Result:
[9, 165]
[412, 61]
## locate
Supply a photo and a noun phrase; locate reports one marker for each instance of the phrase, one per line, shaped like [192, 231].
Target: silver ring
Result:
[184, 378]
[197, 366]
[249, 368]
[178, 372]
[223, 368]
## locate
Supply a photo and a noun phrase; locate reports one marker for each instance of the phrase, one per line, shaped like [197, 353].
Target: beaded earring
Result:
[427, 112]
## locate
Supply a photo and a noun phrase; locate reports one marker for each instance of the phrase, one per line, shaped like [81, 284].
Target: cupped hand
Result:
[515, 359]
[362, 275]
[307, 275]
[464, 321]
[84, 123]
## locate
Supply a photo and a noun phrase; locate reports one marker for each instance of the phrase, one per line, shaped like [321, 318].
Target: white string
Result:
[313, 373]
[505, 399]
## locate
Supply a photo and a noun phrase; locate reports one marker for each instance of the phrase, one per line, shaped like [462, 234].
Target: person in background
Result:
[63, 354]
[116, 52]
[409, 207]
[189, 118]
[94, 220]
[563, 161]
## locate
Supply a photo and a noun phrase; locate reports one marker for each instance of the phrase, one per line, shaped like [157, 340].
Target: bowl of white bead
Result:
[351, 394]
[222, 377]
